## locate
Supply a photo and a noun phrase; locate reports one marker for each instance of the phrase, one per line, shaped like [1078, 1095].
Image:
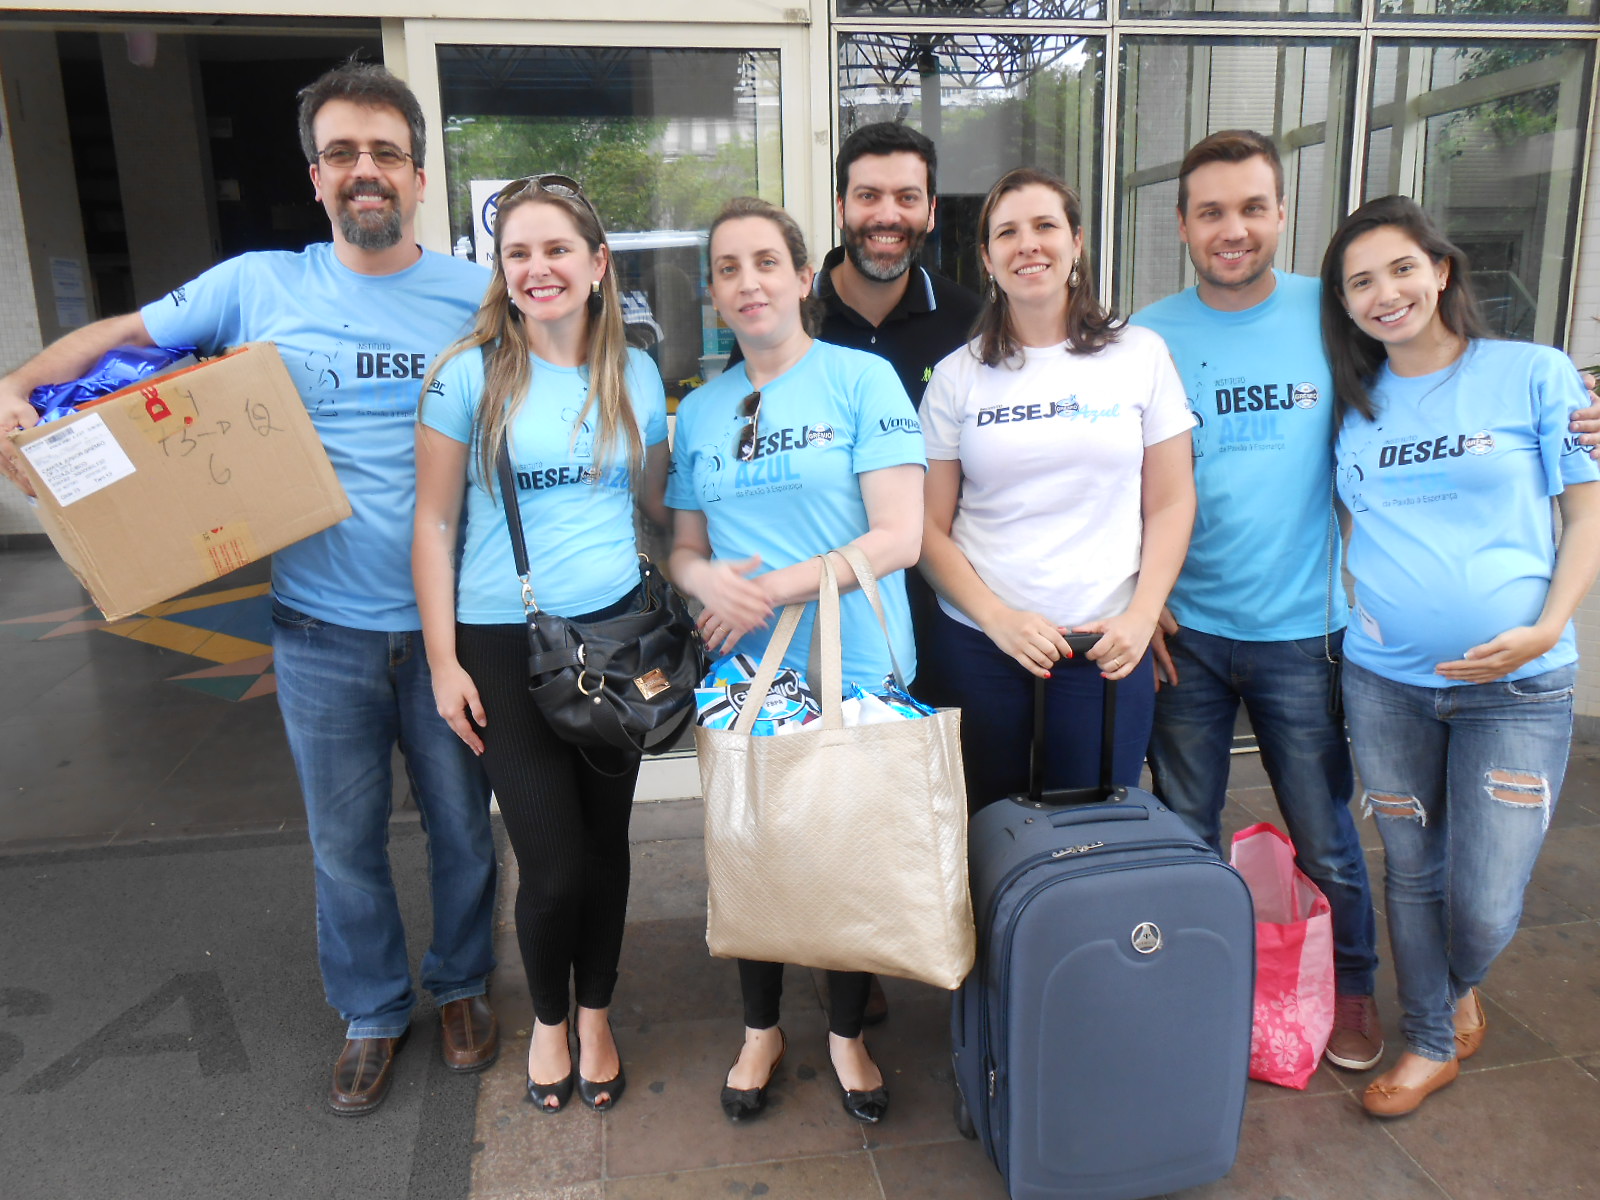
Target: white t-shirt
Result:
[1051, 453]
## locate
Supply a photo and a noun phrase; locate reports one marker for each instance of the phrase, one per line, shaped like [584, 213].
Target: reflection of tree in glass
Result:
[632, 183]
[1512, 118]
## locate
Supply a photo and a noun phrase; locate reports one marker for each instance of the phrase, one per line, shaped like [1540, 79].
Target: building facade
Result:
[139, 146]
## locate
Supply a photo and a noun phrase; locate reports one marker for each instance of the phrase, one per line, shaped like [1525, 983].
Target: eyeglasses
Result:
[750, 414]
[556, 185]
[385, 158]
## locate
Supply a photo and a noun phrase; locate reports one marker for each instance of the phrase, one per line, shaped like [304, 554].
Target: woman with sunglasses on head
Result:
[1060, 494]
[545, 377]
[800, 448]
[1460, 659]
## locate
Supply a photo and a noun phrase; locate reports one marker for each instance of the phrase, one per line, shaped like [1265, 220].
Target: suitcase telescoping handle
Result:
[1038, 797]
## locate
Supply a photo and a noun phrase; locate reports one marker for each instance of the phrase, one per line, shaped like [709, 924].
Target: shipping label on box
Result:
[184, 478]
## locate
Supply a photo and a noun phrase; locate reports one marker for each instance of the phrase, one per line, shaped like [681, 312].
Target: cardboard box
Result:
[175, 482]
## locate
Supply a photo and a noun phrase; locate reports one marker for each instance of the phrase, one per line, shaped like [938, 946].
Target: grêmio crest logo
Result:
[1406, 454]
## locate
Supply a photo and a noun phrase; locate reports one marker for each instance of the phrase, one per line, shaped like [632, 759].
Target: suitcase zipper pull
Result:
[1084, 849]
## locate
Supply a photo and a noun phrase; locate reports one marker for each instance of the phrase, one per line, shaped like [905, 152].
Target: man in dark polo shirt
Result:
[875, 297]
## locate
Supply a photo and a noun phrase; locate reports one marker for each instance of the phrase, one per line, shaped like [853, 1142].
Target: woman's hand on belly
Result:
[1500, 656]
[1125, 637]
[734, 603]
[1029, 638]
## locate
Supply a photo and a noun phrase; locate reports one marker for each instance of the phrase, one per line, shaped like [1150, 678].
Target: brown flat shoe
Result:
[362, 1073]
[1469, 1036]
[469, 1035]
[1385, 1099]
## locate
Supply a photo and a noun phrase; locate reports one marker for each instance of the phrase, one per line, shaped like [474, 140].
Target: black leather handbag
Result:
[625, 682]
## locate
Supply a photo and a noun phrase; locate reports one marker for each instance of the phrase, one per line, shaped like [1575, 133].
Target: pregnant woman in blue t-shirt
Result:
[1460, 656]
[546, 375]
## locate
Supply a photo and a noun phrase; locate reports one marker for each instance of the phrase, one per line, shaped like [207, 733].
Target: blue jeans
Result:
[1462, 781]
[1288, 690]
[347, 697]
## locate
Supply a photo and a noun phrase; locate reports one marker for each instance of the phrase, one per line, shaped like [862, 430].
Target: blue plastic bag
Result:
[116, 370]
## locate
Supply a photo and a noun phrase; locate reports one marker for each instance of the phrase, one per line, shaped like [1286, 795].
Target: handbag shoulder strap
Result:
[513, 513]
[861, 565]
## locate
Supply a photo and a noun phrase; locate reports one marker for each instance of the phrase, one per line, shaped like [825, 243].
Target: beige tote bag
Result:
[835, 847]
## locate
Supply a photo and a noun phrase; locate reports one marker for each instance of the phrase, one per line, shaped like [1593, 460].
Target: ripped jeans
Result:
[1462, 782]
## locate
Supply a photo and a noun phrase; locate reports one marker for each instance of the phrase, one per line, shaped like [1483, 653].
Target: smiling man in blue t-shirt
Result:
[357, 321]
[1259, 606]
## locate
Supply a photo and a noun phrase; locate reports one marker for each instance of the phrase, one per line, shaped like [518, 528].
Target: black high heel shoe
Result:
[561, 1090]
[590, 1091]
[538, 1093]
[870, 1106]
[740, 1104]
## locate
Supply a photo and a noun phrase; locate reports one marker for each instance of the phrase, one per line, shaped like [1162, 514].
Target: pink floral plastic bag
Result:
[1294, 959]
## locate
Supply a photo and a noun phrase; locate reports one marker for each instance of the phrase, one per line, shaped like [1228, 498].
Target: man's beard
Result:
[374, 229]
[855, 246]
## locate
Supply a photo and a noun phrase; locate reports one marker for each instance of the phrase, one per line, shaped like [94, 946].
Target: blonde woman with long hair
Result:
[546, 374]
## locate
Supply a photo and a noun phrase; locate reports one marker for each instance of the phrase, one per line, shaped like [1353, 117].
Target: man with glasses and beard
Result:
[357, 321]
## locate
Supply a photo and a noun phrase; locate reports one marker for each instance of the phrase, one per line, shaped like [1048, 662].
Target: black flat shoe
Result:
[867, 1107]
[590, 1091]
[741, 1104]
[538, 1093]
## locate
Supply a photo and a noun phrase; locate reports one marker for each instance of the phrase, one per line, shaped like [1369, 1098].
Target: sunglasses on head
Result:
[750, 413]
[556, 185]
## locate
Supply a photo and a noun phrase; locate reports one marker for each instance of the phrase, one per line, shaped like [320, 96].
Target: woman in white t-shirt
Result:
[1059, 498]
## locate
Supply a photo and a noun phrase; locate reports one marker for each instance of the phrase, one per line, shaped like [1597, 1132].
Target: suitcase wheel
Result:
[964, 1119]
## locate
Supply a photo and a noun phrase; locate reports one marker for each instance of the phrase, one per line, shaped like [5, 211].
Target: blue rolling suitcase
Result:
[1102, 1040]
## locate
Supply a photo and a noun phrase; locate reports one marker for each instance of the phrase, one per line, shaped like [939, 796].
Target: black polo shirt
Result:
[933, 318]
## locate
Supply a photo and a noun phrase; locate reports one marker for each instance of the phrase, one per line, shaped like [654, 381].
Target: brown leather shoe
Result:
[469, 1036]
[1470, 1031]
[1385, 1099]
[361, 1076]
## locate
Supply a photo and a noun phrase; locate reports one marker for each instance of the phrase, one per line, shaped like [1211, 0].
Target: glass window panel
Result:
[1044, 10]
[1488, 137]
[990, 103]
[1493, 10]
[659, 138]
[1175, 91]
[1234, 10]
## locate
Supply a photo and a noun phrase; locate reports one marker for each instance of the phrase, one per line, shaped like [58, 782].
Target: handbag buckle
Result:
[652, 683]
[599, 682]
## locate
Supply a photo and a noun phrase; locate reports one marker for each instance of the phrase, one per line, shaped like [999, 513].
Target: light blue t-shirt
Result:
[357, 347]
[577, 513]
[1453, 540]
[832, 416]
[1258, 381]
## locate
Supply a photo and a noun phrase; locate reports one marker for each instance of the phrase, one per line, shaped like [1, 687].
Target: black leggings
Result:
[568, 825]
[762, 985]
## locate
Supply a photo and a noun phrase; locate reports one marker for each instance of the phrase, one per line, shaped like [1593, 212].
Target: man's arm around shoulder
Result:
[65, 359]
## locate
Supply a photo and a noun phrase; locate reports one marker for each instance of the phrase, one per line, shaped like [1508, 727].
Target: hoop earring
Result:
[596, 300]
[1074, 279]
